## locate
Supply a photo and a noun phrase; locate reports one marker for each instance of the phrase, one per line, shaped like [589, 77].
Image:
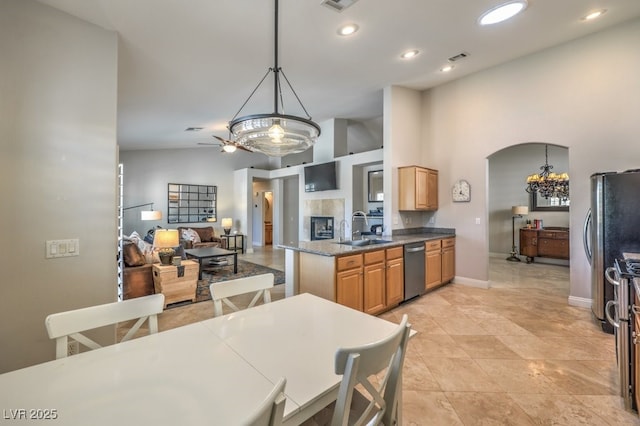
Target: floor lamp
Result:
[516, 211]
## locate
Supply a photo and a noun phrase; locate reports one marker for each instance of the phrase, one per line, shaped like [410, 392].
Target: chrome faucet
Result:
[356, 214]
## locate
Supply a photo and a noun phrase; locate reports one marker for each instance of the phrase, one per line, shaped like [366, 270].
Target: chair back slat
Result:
[221, 291]
[62, 325]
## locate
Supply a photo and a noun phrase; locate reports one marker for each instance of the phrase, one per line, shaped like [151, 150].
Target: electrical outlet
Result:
[73, 347]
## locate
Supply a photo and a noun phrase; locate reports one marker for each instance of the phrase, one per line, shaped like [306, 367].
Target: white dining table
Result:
[210, 372]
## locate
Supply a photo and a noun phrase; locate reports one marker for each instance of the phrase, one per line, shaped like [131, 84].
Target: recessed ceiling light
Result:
[593, 15]
[410, 54]
[502, 12]
[347, 30]
[446, 68]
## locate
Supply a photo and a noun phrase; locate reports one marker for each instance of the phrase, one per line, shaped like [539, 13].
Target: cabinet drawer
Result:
[448, 242]
[553, 235]
[432, 245]
[348, 262]
[373, 257]
[394, 253]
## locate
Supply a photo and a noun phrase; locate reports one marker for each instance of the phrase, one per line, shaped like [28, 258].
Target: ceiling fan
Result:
[227, 145]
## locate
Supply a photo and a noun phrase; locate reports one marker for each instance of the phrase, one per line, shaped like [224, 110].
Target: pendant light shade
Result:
[275, 134]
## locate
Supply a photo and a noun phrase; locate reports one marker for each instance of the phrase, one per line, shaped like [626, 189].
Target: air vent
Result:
[193, 129]
[338, 5]
[458, 57]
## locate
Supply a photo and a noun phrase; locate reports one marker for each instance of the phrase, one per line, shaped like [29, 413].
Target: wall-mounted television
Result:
[320, 177]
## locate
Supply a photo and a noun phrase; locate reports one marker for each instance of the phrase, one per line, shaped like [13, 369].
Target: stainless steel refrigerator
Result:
[612, 226]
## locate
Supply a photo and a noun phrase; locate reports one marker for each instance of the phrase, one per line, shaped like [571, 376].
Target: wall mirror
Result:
[191, 203]
[551, 204]
[376, 187]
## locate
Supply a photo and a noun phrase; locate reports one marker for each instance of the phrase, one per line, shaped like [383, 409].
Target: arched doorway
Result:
[508, 169]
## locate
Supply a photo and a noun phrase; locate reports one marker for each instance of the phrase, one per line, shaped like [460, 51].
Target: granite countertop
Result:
[333, 248]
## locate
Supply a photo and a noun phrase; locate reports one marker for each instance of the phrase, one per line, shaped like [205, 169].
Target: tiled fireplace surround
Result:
[327, 207]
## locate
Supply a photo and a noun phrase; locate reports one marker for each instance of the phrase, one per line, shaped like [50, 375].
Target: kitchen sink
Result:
[363, 242]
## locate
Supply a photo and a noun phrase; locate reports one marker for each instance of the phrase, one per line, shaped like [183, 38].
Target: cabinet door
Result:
[432, 190]
[433, 268]
[349, 288]
[374, 288]
[422, 189]
[448, 264]
[395, 281]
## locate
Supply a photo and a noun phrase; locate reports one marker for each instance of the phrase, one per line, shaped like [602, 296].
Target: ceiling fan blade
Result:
[228, 142]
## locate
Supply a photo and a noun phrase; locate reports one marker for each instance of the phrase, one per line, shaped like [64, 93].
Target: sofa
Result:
[200, 237]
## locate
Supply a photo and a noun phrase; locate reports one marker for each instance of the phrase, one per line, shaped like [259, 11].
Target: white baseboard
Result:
[581, 302]
[470, 282]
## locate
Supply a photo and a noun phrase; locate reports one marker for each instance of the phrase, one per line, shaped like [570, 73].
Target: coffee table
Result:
[203, 254]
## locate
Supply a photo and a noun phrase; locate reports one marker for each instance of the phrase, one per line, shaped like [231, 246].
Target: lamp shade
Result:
[227, 222]
[150, 215]
[520, 210]
[165, 238]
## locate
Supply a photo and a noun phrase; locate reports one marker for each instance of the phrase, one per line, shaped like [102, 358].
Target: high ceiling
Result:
[192, 63]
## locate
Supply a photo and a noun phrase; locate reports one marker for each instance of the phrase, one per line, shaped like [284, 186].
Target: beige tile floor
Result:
[515, 354]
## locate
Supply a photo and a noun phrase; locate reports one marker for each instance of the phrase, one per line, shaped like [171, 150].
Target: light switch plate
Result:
[62, 248]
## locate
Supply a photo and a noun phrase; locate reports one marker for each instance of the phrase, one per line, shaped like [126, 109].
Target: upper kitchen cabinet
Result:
[418, 188]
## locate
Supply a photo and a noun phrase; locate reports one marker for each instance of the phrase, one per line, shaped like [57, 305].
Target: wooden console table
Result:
[548, 242]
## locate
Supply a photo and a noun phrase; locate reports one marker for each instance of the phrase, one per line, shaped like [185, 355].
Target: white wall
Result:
[147, 174]
[583, 95]
[58, 153]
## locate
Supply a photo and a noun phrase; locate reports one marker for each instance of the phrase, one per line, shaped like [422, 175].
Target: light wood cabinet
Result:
[433, 264]
[395, 276]
[268, 233]
[349, 282]
[418, 188]
[374, 282]
[448, 259]
[440, 260]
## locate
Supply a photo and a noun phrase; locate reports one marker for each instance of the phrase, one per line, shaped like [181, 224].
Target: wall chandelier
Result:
[547, 183]
[274, 134]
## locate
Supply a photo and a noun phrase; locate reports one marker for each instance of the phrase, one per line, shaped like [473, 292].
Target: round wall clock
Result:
[461, 191]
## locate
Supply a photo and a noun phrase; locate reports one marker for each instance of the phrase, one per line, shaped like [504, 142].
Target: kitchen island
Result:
[370, 277]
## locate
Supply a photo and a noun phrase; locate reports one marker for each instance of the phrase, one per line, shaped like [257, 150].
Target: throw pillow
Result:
[132, 255]
[191, 235]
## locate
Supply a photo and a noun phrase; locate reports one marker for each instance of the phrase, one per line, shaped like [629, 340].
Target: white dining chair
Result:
[64, 325]
[357, 364]
[271, 411]
[221, 291]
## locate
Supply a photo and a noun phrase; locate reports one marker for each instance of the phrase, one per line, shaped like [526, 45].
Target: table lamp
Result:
[166, 240]
[227, 224]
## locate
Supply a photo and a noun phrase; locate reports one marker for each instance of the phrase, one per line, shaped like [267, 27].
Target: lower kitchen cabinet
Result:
[349, 282]
[374, 282]
[440, 257]
[395, 276]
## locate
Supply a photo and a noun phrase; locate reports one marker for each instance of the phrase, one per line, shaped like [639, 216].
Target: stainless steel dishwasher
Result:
[413, 270]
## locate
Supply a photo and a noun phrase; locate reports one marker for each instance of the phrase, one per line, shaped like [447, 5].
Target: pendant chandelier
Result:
[274, 134]
[547, 183]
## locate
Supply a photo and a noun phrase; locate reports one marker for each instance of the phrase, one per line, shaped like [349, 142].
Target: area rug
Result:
[245, 269]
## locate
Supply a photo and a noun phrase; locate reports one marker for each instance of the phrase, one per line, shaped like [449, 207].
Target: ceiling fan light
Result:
[229, 148]
[502, 12]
